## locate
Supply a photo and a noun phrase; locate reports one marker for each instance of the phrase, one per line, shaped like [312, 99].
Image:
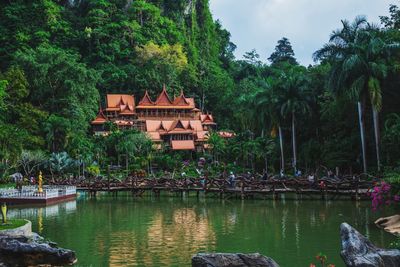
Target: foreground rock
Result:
[24, 251]
[390, 224]
[232, 260]
[358, 251]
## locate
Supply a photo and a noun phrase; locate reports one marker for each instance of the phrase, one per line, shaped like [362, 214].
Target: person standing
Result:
[232, 179]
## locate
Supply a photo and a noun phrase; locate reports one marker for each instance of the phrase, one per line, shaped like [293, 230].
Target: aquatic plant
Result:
[322, 258]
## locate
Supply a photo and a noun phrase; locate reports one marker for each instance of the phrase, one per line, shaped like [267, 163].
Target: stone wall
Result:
[24, 230]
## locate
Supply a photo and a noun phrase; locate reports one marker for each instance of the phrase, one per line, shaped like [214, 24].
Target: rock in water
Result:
[21, 251]
[232, 260]
[390, 224]
[358, 251]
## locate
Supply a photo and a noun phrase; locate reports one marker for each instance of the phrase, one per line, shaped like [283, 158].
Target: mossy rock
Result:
[12, 224]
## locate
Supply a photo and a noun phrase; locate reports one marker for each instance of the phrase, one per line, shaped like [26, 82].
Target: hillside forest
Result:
[59, 58]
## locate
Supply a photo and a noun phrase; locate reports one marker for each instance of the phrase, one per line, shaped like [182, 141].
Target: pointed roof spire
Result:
[146, 100]
[121, 101]
[163, 98]
[177, 125]
[181, 100]
[161, 127]
[100, 118]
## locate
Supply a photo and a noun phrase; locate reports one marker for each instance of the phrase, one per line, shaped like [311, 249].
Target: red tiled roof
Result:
[181, 100]
[100, 118]
[127, 110]
[191, 102]
[192, 124]
[116, 100]
[164, 102]
[226, 134]
[176, 125]
[146, 100]
[155, 106]
[163, 99]
[155, 136]
[167, 124]
[202, 135]
[207, 119]
[182, 144]
[152, 125]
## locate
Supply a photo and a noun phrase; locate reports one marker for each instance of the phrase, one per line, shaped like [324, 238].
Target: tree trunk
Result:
[265, 155]
[127, 164]
[266, 163]
[294, 144]
[83, 168]
[377, 137]
[281, 145]
[362, 135]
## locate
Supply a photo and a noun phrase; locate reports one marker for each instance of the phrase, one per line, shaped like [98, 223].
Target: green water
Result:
[124, 231]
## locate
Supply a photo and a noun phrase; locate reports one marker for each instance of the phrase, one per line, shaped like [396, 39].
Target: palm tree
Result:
[293, 100]
[60, 163]
[267, 108]
[358, 55]
[217, 145]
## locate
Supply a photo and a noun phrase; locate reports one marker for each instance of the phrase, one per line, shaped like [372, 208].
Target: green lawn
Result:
[11, 224]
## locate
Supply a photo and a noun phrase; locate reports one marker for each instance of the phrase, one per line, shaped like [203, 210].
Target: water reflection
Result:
[47, 211]
[182, 234]
[39, 214]
[124, 231]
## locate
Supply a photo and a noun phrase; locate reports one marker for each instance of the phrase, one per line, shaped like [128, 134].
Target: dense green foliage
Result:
[59, 58]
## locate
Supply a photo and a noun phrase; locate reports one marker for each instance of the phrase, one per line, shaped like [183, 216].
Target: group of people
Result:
[231, 177]
[19, 180]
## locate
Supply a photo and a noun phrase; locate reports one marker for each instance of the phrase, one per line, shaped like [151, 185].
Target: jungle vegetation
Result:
[58, 59]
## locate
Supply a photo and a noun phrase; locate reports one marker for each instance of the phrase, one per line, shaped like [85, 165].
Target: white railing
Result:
[32, 192]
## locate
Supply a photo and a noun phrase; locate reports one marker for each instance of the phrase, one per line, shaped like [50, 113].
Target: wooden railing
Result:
[241, 185]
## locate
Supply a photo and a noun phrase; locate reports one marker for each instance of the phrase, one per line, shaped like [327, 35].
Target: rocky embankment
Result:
[21, 247]
[232, 260]
[357, 251]
[390, 224]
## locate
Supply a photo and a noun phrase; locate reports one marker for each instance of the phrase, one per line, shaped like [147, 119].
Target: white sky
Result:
[259, 24]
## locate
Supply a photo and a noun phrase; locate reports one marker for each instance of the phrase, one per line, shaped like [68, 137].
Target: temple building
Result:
[176, 123]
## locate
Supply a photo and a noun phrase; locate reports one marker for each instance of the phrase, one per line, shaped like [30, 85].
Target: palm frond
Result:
[356, 88]
[375, 93]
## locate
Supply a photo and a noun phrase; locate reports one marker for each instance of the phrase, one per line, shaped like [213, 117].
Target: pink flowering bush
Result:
[381, 196]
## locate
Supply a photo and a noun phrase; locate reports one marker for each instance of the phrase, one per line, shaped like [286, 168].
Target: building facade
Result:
[175, 123]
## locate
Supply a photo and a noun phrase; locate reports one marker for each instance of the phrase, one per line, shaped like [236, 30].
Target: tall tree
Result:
[359, 58]
[293, 101]
[268, 105]
[63, 87]
[283, 53]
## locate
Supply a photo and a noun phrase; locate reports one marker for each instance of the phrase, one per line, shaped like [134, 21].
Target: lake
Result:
[167, 231]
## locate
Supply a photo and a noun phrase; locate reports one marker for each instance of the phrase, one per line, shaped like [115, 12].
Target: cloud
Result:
[259, 24]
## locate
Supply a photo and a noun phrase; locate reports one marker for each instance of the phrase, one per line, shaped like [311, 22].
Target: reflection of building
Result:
[46, 211]
[168, 240]
[189, 234]
[176, 123]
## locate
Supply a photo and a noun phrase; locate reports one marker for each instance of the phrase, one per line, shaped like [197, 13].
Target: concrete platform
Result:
[30, 195]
